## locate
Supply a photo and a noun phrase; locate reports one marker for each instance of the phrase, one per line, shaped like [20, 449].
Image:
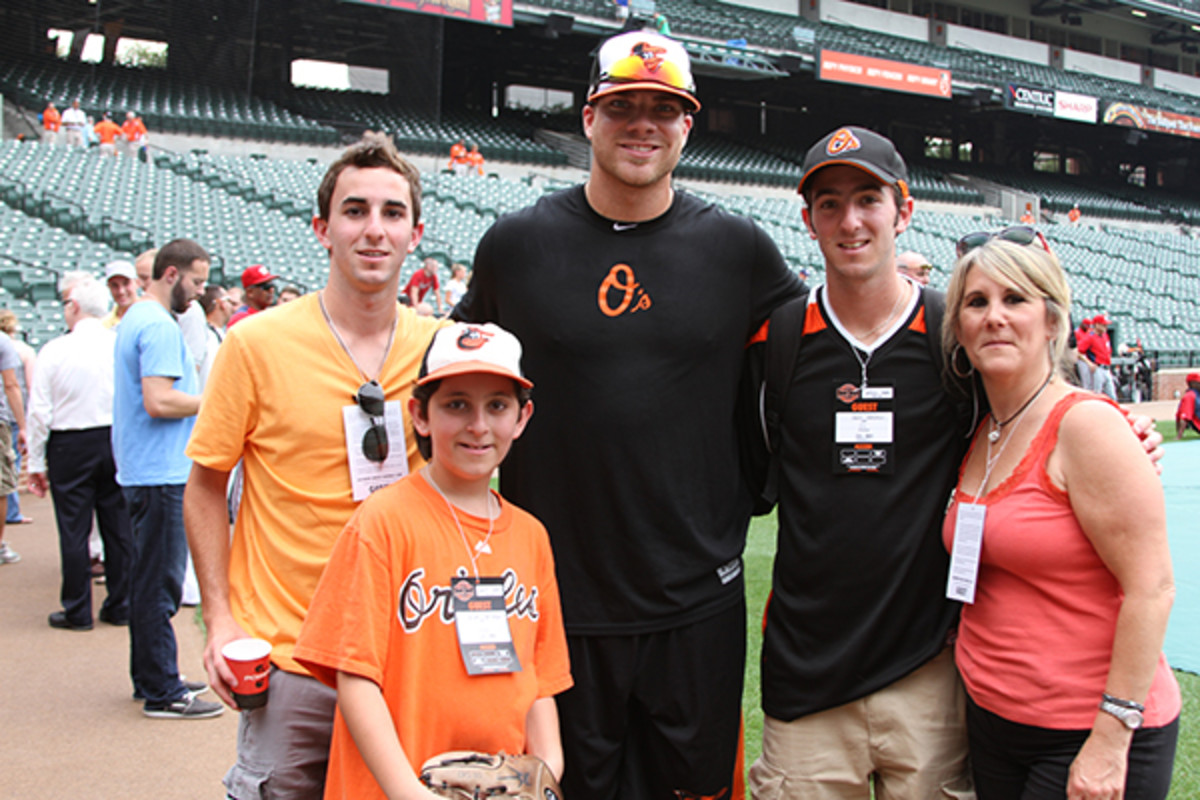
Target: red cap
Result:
[1100, 319]
[1193, 377]
[253, 276]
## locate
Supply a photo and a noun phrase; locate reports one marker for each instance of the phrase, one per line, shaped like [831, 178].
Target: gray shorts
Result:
[283, 747]
[8, 460]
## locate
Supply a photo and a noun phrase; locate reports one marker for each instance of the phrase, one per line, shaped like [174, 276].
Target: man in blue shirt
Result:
[155, 399]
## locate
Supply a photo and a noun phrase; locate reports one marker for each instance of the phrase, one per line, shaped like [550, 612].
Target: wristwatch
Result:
[1130, 713]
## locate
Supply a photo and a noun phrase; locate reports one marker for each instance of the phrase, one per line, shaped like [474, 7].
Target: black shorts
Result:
[655, 716]
[1011, 761]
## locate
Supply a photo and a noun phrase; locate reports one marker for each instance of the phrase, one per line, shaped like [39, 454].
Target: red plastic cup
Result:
[250, 660]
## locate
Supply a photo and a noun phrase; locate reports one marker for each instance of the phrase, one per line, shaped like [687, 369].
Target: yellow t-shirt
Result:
[274, 400]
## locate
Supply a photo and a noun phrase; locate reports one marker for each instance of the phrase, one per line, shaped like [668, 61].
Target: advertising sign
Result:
[880, 73]
[1152, 119]
[489, 12]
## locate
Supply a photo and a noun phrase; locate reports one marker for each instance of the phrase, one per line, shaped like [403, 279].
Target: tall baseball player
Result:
[634, 302]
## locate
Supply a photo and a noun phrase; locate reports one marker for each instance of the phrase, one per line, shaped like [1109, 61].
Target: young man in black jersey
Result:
[858, 685]
[634, 303]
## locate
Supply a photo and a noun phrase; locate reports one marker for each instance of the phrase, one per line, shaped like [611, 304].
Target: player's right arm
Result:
[370, 722]
[206, 518]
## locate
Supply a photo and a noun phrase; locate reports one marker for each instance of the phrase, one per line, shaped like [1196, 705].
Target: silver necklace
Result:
[863, 362]
[482, 545]
[338, 336]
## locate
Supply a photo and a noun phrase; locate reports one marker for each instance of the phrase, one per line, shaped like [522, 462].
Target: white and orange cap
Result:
[464, 348]
[646, 61]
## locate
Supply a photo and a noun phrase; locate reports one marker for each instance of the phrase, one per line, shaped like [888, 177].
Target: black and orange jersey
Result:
[858, 597]
[633, 337]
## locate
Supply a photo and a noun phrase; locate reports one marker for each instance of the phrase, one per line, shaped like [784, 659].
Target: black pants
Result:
[82, 482]
[655, 716]
[1011, 761]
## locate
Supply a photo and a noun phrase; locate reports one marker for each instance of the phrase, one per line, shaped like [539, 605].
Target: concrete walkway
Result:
[68, 725]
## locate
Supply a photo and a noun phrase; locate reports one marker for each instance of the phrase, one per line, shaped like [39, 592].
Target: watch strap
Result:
[1117, 701]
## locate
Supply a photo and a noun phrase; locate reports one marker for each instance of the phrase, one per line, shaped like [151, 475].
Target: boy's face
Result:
[370, 230]
[471, 422]
[855, 220]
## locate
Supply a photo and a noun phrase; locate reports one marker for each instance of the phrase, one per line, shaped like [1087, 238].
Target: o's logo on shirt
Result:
[628, 292]
[842, 141]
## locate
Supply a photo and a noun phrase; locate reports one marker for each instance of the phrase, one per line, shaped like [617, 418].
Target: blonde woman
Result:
[1066, 603]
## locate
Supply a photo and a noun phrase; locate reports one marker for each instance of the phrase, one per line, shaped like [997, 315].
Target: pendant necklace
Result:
[482, 545]
[998, 425]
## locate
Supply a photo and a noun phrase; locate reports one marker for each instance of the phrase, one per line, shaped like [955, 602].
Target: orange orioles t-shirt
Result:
[383, 610]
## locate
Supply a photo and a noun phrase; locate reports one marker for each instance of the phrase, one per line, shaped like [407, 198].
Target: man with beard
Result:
[155, 399]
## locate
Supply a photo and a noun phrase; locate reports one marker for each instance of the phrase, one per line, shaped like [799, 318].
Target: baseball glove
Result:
[466, 775]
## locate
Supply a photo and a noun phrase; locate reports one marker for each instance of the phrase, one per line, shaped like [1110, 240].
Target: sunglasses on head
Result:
[375, 441]
[1017, 234]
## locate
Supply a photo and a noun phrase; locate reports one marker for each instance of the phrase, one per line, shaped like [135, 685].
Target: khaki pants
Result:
[909, 739]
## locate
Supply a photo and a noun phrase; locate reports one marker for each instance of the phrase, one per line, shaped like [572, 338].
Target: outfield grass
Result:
[760, 550]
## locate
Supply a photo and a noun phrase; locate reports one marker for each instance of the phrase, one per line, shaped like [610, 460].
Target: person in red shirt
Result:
[259, 292]
[107, 131]
[1097, 353]
[1189, 406]
[422, 281]
[51, 122]
[134, 132]
[1074, 214]
[458, 157]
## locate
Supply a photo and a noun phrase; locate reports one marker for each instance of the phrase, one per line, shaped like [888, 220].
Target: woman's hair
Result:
[1029, 269]
[422, 393]
[8, 322]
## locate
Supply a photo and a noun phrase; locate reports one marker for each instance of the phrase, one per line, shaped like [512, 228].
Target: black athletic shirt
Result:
[633, 335]
[858, 596]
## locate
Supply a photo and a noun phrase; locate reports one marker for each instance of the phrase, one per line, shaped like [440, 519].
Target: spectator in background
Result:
[51, 122]
[915, 266]
[475, 160]
[1097, 358]
[422, 282]
[661, 24]
[289, 293]
[458, 158]
[107, 132]
[1187, 414]
[1027, 218]
[12, 434]
[11, 326]
[143, 265]
[122, 280]
[75, 124]
[456, 287]
[218, 308]
[622, 10]
[155, 397]
[70, 453]
[1074, 214]
[258, 284]
[1083, 367]
[133, 130]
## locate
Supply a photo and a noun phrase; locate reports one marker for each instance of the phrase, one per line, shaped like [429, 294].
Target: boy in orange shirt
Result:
[437, 617]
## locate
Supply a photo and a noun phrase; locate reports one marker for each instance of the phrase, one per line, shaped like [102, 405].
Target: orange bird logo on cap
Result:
[842, 141]
[473, 339]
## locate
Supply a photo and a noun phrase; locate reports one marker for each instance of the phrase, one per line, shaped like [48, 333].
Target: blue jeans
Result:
[155, 587]
[14, 500]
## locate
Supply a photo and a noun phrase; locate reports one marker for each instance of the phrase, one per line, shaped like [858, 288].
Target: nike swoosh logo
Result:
[622, 226]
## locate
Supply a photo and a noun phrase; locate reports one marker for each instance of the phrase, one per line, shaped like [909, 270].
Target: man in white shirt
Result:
[74, 123]
[70, 452]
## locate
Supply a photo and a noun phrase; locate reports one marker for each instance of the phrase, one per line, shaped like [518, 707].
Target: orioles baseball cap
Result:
[858, 147]
[253, 276]
[464, 348]
[646, 61]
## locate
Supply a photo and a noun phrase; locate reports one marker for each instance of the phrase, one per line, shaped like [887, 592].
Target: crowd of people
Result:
[592, 612]
[78, 129]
